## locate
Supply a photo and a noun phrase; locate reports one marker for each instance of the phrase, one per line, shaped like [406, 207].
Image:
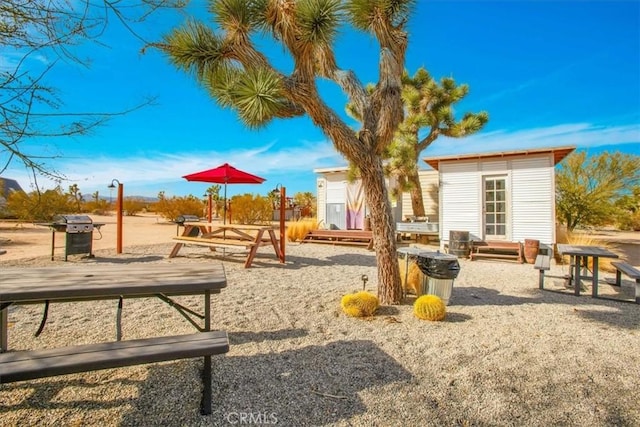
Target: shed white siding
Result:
[460, 201]
[533, 198]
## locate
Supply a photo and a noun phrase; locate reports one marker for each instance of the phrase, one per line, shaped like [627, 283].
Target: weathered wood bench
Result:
[340, 237]
[214, 242]
[32, 364]
[496, 249]
[542, 264]
[630, 271]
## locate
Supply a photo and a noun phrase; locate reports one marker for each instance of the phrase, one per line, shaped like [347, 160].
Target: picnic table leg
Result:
[119, 321]
[594, 278]
[205, 407]
[276, 246]
[4, 322]
[175, 250]
[252, 254]
[576, 275]
[53, 243]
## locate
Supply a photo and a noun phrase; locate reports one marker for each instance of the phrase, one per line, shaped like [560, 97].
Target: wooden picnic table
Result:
[215, 235]
[21, 286]
[579, 257]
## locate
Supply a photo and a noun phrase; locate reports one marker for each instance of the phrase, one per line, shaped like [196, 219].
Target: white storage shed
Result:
[506, 196]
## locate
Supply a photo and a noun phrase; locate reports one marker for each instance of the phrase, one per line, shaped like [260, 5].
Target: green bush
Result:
[43, 206]
[133, 206]
[250, 209]
[176, 206]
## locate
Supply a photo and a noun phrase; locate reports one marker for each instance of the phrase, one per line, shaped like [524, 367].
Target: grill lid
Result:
[72, 219]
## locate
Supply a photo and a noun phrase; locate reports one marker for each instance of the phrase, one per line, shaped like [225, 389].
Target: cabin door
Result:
[495, 207]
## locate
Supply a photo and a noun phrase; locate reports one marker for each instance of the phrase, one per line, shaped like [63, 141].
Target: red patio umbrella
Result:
[225, 174]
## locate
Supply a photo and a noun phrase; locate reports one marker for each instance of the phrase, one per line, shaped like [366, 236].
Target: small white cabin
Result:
[506, 196]
[342, 204]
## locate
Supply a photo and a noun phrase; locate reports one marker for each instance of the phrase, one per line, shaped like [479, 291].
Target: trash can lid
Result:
[438, 256]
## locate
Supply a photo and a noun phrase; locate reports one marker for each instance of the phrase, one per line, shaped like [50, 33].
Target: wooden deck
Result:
[340, 237]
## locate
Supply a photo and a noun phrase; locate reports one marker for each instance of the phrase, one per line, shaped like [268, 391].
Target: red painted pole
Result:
[283, 201]
[120, 210]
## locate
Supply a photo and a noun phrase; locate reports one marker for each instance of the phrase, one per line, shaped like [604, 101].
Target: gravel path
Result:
[507, 353]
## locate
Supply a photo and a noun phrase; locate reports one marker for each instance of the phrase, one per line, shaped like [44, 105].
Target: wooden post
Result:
[210, 210]
[283, 201]
[120, 210]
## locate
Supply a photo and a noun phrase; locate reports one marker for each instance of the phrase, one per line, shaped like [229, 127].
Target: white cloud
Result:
[164, 168]
[582, 135]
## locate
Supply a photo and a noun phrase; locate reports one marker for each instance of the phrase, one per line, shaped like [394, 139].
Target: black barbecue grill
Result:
[78, 231]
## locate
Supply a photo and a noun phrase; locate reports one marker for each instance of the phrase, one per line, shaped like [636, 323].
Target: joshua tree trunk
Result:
[417, 203]
[384, 235]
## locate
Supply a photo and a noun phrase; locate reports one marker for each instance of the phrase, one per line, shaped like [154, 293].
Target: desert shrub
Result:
[629, 221]
[298, 229]
[360, 304]
[172, 208]
[581, 239]
[250, 209]
[96, 207]
[414, 277]
[429, 307]
[133, 206]
[42, 206]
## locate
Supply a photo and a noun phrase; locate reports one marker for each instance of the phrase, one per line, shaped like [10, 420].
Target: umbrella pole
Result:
[224, 217]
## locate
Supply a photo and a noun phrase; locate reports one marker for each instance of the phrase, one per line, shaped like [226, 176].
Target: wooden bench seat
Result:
[32, 364]
[630, 271]
[202, 241]
[340, 237]
[496, 249]
[543, 263]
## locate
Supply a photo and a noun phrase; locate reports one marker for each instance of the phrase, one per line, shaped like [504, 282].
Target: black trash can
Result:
[440, 270]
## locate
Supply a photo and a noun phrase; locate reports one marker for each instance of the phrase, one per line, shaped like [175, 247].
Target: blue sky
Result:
[549, 73]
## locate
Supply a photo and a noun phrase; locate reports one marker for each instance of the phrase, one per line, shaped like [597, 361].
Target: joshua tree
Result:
[241, 77]
[427, 104]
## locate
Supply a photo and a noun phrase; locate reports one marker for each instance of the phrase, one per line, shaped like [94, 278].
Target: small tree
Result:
[587, 188]
[171, 208]
[307, 203]
[250, 209]
[40, 206]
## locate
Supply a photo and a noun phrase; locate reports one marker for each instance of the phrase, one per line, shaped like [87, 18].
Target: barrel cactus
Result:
[429, 307]
[360, 304]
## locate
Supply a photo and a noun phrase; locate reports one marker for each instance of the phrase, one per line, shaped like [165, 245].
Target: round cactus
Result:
[360, 304]
[429, 307]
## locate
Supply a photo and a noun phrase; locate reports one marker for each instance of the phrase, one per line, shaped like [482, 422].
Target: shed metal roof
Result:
[559, 153]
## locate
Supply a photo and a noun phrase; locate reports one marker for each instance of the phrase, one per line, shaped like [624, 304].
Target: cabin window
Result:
[495, 207]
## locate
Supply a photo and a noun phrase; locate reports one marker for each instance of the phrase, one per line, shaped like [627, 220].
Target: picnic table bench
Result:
[213, 235]
[340, 237]
[38, 285]
[496, 249]
[630, 271]
[542, 264]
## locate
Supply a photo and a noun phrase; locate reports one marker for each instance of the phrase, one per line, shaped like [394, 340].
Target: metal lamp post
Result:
[119, 212]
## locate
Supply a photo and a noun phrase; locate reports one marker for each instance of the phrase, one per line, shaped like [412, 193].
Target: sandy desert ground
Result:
[507, 354]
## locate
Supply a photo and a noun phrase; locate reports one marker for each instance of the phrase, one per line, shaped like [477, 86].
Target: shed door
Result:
[495, 207]
[336, 214]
